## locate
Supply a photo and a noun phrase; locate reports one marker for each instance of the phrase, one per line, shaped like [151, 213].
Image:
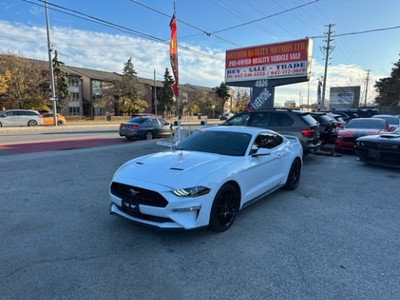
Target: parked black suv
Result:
[284, 121]
[327, 127]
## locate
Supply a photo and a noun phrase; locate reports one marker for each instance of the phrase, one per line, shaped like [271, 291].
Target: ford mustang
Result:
[207, 179]
[359, 127]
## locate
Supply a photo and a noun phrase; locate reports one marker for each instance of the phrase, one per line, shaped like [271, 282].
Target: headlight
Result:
[339, 136]
[191, 192]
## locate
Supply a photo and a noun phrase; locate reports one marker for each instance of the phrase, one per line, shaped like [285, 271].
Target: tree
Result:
[167, 94]
[242, 99]
[25, 83]
[389, 88]
[126, 91]
[222, 93]
[61, 83]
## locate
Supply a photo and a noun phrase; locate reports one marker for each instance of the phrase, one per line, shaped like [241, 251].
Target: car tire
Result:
[293, 179]
[32, 123]
[148, 135]
[129, 138]
[225, 208]
[59, 123]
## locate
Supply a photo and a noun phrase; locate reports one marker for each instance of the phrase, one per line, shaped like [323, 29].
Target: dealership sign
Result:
[281, 60]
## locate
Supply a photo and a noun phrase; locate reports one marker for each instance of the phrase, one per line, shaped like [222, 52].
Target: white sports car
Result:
[210, 176]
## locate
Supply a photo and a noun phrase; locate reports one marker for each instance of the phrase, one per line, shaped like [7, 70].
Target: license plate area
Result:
[374, 154]
[130, 205]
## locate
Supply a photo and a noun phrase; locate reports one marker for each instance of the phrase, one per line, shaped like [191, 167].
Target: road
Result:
[335, 237]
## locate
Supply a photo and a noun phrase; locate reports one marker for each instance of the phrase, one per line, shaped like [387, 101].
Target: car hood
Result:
[173, 168]
[357, 132]
[387, 137]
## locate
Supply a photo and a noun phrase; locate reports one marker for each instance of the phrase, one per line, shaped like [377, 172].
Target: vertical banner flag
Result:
[319, 94]
[173, 52]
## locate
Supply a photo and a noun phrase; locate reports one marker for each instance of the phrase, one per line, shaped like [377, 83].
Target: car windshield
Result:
[366, 124]
[220, 142]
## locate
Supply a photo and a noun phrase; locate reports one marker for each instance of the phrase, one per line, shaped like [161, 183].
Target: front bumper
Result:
[180, 213]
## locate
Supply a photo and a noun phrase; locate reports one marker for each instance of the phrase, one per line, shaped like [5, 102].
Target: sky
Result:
[103, 35]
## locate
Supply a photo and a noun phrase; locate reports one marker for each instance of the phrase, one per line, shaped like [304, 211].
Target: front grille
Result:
[380, 146]
[137, 214]
[138, 195]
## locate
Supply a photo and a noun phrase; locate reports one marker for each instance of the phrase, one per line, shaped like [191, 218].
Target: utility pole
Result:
[52, 88]
[155, 92]
[366, 89]
[327, 49]
[308, 97]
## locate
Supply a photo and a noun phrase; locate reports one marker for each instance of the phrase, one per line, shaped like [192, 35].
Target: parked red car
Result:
[356, 128]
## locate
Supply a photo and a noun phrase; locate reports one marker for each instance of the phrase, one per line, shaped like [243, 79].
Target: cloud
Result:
[109, 52]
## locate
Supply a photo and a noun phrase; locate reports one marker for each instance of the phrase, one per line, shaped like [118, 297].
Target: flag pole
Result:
[177, 88]
[173, 48]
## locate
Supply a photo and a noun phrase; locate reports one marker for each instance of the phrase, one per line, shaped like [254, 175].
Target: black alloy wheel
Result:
[148, 135]
[32, 123]
[224, 208]
[293, 179]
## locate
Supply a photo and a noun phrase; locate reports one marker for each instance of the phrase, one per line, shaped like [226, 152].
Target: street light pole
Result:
[52, 87]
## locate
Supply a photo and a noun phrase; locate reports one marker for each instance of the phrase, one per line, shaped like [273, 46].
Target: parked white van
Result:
[20, 117]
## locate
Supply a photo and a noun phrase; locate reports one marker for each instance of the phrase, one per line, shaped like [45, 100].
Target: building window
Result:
[74, 97]
[96, 85]
[74, 111]
[73, 81]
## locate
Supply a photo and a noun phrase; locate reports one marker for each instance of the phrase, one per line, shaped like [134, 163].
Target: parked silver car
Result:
[20, 117]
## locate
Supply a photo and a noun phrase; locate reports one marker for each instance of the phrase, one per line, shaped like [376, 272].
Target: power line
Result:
[103, 22]
[358, 32]
[266, 17]
[187, 24]
[235, 12]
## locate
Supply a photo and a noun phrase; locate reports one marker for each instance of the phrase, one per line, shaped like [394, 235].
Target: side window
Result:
[284, 120]
[162, 121]
[281, 119]
[151, 122]
[239, 120]
[266, 140]
[260, 120]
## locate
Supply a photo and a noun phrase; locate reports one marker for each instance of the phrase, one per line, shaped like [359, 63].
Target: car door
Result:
[21, 118]
[8, 119]
[165, 129]
[264, 173]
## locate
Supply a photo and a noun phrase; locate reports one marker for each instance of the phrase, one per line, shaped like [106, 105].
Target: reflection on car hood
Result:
[357, 132]
[173, 168]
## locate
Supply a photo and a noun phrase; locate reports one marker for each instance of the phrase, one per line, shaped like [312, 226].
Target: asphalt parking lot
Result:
[335, 237]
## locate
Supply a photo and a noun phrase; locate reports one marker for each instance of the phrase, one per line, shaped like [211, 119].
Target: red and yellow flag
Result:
[173, 53]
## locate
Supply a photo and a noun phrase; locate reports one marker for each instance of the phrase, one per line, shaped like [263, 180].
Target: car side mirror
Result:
[262, 152]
